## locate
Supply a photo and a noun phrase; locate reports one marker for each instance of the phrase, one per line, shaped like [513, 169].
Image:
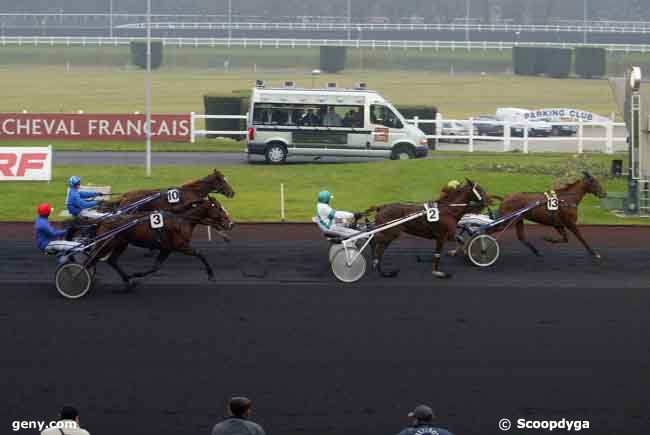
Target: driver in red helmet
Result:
[47, 237]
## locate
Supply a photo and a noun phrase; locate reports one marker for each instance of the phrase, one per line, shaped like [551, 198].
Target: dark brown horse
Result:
[565, 217]
[452, 206]
[189, 192]
[174, 236]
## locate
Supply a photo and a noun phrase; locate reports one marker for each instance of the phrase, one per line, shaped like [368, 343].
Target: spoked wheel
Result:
[82, 258]
[334, 249]
[483, 250]
[351, 272]
[73, 280]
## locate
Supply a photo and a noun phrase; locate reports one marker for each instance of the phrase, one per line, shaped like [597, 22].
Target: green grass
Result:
[51, 89]
[207, 145]
[356, 186]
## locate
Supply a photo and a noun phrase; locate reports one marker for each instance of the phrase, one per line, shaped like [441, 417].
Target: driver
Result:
[47, 237]
[332, 221]
[76, 200]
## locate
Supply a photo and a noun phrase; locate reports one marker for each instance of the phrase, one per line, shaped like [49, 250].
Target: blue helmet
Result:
[73, 181]
[324, 197]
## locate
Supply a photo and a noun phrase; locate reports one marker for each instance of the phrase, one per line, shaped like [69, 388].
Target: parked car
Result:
[535, 129]
[454, 128]
[564, 130]
[485, 126]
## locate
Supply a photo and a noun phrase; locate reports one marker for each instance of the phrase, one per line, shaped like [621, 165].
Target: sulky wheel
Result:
[82, 258]
[349, 272]
[73, 280]
[334, 249]
[482, 250]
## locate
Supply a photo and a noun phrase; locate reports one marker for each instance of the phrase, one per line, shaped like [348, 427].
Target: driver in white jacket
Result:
[332, 221]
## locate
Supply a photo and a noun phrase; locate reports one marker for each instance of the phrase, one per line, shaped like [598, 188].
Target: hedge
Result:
[523, 61]
[226, 105]
[554, 62]
[139, 54]
[591, 62]
[332, 59]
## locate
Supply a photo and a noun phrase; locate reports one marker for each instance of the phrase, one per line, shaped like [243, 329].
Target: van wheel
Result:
[276, 154]
[403, 152]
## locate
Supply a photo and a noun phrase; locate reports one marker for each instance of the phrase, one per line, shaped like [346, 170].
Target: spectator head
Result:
[421, 414]
[69, 413]
[240, 406]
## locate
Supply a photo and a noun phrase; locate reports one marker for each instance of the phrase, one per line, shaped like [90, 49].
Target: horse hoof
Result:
[597, 256]
[441, 275]
[452, 252]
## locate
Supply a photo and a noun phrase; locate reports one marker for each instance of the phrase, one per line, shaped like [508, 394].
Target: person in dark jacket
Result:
[238, 423]
[422, 423]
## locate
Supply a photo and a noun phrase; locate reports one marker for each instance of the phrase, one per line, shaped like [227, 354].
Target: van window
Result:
[308, 115]
[382, 115]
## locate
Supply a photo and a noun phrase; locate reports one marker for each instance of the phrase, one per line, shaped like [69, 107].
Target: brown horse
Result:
[190, 192]
[565, 217]
[174, 236]
[452, 206]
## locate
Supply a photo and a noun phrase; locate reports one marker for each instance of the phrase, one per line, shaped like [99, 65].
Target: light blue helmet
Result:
[73, 181]
[324, 197]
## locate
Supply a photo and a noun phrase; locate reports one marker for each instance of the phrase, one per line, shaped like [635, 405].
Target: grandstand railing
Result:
[293, 43]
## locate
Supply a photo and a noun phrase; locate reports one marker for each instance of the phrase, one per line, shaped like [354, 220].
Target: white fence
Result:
[601, 134]
[589, 136]
[99, 41]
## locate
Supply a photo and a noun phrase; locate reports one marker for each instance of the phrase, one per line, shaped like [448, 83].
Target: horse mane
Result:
[568, 185]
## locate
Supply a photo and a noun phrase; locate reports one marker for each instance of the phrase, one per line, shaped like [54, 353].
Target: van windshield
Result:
[308, 115]
[383, 115]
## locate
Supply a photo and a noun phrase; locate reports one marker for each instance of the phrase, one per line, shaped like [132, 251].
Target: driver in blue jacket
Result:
[80, 203]
[48, 238]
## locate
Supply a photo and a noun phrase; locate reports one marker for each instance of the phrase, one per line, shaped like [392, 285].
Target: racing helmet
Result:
[453, 184]
[44, 209]
[324, 197]
[73, 181]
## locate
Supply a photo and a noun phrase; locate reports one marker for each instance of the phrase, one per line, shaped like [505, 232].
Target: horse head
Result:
[218, 183]
[212, 213]
[478, 195]
[592, 185]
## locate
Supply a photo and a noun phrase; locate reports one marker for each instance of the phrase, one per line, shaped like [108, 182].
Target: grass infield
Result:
[356, 186]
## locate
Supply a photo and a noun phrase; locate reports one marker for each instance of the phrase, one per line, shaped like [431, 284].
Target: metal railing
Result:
[603, 133]
[39, 41]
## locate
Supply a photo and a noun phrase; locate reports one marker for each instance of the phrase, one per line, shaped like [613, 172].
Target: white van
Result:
[289, 121]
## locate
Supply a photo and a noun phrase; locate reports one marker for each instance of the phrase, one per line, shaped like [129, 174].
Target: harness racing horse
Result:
[190, 192]
[452, 206]
[565, 217]
[174, 236]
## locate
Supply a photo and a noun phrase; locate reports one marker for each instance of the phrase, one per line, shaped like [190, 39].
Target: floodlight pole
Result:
[584, 21]
[467, 10]
[349, 19]
[148, 92]
[229, 19]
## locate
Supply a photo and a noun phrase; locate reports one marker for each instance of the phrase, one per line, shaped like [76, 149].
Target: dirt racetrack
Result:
[545, 338]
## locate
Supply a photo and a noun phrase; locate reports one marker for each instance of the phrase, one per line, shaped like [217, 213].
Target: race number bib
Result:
[552, 203]
[156, 220]
[433, 213]
[173, 196]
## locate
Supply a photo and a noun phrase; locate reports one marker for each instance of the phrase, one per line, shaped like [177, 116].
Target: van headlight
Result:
[424, 141]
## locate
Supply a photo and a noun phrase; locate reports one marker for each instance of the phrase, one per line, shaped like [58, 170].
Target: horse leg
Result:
[574, 229]
[160, 259]
[380, 243]
[563, 233]
[440, 244]
[196, 253]
[115, 254]
[522, 238]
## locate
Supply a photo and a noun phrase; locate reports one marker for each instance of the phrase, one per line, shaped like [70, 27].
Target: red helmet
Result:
[44, 210]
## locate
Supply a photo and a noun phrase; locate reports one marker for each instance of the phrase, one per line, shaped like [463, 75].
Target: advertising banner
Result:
[70, 126]
[25, 163]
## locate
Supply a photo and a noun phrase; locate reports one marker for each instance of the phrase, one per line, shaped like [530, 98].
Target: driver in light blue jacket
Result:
[333, 221]
[76, 201]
